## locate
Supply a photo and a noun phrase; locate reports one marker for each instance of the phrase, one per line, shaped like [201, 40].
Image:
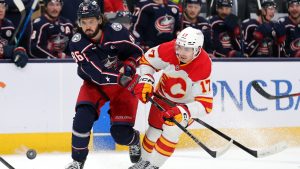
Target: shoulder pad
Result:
[76, 37]
[116, 26]
[37, 20]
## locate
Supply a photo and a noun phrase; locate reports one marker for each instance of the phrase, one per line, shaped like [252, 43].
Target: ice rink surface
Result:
[182, 159]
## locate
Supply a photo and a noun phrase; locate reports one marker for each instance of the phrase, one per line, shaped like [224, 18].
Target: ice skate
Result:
[75, 165]
[135, 152]
[141, 164]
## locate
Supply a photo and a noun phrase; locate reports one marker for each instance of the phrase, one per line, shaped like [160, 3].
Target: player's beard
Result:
[92, 35]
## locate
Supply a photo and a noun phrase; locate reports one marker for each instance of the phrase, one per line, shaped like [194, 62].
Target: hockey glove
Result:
[127, 72]
[144, 88]
[232, 24]
[20, 58]
[279, 35]
[179, 113]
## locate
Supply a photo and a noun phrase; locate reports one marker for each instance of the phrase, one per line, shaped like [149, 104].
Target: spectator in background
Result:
[7, 44]
[191, 18]
[291, 23]
[51, 32]
[226, 31]
[264, 37]
[14, 15]
[155, 22]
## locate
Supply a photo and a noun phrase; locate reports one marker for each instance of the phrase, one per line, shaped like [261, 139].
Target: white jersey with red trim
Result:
[188, 83]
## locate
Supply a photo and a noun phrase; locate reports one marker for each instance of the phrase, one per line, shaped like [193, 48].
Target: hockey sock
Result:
[82, 125]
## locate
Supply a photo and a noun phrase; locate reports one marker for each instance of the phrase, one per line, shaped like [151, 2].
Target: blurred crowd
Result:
[229, 28]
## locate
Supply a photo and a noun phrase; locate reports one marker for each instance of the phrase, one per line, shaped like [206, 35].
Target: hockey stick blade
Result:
[6, 163]
[256, 153]
[272, 149]
[262, 92]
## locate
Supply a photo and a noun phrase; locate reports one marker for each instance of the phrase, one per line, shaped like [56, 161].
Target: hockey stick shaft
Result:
[209, 151]
[262, 153]
[6, 163]
[19, 4]
[262, 92]
[28, 18]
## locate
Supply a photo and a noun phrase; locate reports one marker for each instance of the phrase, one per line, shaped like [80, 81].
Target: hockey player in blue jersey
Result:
[155, 22]
[105, 52]
[51, 32]
[191, 18]
[7, 48]
[291, 23]
[226, 31]
[264, 37]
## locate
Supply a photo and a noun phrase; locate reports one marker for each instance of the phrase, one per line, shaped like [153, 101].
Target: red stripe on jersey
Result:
[148, 145]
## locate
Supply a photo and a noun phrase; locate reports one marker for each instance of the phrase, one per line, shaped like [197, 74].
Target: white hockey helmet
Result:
[191, 38]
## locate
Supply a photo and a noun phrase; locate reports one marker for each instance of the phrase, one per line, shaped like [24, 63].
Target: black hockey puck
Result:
[31, 154]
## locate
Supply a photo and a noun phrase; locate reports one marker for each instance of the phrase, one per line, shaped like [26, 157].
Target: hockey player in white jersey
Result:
[185, 81]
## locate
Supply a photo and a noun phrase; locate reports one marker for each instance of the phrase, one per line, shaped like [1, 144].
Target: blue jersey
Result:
[46, 33]
[222, 38]
[100, 62]
[155, 23]
[265, 48]
[6, 32]
[292, 42]
[203, 25]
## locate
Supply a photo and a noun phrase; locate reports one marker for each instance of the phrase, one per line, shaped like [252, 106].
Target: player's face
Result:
[224, 11]
[294, 10]
[269, 12]
[89, 26]
[184, 54]
[53, 9]
[2, 10]
[193, 10]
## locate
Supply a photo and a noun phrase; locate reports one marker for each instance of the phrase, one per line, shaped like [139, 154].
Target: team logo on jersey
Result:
[295, 45]
[225, 40]
[76, 37]
[8, 33]
[116, 26]
[110, 62]
[165, 24]
[174, 87]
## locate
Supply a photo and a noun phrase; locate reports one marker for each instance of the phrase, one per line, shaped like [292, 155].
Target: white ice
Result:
[182, 159]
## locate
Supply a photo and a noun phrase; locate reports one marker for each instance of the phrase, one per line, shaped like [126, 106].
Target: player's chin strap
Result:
[256, 153]
[208, 150]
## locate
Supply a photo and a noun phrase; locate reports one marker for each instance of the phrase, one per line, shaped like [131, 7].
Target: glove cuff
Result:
[147, 78]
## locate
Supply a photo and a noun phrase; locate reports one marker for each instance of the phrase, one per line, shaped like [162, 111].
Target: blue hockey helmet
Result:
[88, 8]
[226, 3]
[194, 2]
[47, 1]
[293, 2]
[268, 3]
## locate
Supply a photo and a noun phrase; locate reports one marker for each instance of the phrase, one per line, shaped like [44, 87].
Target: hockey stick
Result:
[209, 151]
[19, 4]
[256, 153]
[27, 21]
[262, 92]
[6, 163]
